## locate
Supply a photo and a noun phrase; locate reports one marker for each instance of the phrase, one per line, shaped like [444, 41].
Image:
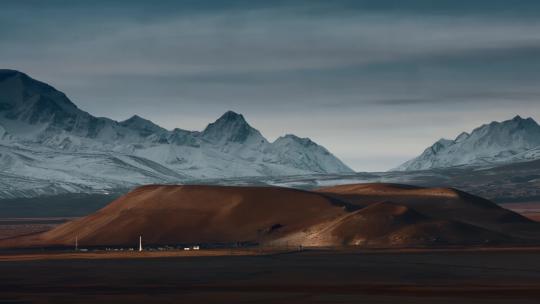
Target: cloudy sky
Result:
[375, 82]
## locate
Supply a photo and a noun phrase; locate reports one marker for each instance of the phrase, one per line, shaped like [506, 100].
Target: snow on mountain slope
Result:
[49, 145]
[36, 111]
[303, 153]
[230, 147]
[32, 170]
[232, 127]
[512, 140]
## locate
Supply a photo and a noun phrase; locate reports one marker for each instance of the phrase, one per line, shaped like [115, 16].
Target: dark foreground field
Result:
[302, 277]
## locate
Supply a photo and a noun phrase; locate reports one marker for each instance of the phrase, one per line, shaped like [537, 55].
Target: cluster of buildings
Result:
[140, 248]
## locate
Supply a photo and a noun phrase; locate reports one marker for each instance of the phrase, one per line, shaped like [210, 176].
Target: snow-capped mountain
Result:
[48, 145]
[509, 141]
[302, 152]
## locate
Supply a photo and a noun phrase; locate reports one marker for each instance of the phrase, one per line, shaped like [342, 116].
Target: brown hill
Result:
[392, 225]
[194, 214]
[375, 215]
[439, 203]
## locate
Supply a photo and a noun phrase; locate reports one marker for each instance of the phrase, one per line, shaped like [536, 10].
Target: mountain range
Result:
[496, 143]
[50, 146]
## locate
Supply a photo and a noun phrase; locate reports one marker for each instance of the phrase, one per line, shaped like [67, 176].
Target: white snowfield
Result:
[49, 146]
[496, 143]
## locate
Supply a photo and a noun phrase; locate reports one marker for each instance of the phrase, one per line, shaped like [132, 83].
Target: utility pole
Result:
[140, 243]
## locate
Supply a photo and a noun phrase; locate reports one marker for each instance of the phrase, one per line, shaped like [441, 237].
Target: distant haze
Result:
[375, 82]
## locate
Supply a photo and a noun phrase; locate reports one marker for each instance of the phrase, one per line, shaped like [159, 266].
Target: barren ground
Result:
[504, 275]
[452, 276]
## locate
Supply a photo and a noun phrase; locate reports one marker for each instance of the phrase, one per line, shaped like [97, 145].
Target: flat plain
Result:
[319, 276]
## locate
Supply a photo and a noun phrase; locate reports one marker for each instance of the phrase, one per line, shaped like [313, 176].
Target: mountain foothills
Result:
[497, 143]
[49, 146]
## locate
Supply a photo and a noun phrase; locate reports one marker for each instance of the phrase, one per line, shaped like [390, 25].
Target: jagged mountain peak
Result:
[516, 121]
[303, 152]
[6, 73]
[232, 127]
[232, 116]
[304, 141]
[518, 118]
[48, 140]
[18, 90]
[525, 122]
[144, 126]
[508, 130]
[230, 119]
[496, 142]
[135, 118]
[461, 137]
[440, 145]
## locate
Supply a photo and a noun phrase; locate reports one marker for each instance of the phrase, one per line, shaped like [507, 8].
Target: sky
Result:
[375, 82]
